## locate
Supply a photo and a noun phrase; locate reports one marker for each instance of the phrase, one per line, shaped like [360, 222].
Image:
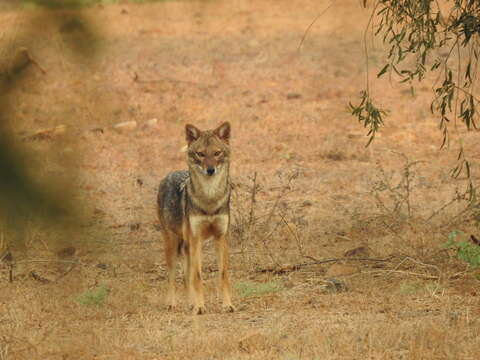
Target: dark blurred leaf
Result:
[384, 70]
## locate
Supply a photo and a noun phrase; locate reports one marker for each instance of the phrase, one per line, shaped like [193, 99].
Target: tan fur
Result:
[194, 206]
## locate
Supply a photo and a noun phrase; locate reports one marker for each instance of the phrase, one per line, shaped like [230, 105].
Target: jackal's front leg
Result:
[223, 280]
[195, 276]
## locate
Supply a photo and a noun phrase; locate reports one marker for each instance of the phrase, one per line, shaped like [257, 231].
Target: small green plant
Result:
[466, 250]
[411, 288]
[94, 296]
[249, 288]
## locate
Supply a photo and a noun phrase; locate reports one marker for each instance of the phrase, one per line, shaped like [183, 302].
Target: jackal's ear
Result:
[192, 133]
[223, 132]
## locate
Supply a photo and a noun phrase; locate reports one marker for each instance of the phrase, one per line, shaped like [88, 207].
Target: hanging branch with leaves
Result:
[422, 39]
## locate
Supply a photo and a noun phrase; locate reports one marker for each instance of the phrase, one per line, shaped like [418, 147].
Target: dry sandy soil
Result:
[95, 290]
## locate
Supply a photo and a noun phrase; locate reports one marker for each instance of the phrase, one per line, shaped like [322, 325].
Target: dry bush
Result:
[398, 220]
[266, 222]
[410, 212]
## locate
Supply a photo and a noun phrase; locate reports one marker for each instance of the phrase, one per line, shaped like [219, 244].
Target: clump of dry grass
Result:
[270, 231]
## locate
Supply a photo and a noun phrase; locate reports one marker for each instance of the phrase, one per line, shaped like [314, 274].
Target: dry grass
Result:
[318, 192]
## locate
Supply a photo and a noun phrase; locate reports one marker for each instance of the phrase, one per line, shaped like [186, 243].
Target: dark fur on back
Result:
[171, 200]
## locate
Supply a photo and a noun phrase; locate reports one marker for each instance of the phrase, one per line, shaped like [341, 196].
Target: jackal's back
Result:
[171, 200]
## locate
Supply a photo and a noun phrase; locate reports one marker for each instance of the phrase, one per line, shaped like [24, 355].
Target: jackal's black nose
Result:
[210, 170]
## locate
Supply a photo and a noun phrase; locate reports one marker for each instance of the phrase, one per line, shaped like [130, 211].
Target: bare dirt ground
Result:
[319, 194]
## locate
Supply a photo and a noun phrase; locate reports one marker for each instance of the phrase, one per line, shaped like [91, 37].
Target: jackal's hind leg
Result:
[185, 253]
[171, 254]
[223, 280]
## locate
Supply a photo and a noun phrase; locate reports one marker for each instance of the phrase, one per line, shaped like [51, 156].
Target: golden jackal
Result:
[193, 206]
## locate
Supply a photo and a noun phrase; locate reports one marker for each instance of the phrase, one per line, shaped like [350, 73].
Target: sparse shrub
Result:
[394, 198]
[249, 288]
[254, 227]
[96, 296]
[403, 216]
[466, 250]
[392, 195]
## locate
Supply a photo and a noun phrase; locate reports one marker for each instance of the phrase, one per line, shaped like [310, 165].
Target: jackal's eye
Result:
[217, 153]
[200, 154]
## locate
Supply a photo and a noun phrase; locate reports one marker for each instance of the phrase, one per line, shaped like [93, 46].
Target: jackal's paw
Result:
[199, 310]
[229, 308]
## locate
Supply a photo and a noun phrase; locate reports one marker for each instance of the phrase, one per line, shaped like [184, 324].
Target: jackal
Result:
[194, 206]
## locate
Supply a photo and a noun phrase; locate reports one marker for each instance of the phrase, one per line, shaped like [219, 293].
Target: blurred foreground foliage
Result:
[30, 196]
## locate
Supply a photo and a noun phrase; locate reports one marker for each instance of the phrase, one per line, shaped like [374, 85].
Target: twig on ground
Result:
[284, 269]
[53, 261]
[430, 277]
[61, 276]
[427, 265]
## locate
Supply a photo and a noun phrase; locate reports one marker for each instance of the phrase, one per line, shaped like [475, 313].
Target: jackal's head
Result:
[208, 151]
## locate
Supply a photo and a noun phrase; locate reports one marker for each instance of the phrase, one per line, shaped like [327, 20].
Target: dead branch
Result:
[289, 268]
[253, 201]
[424, 276]
[297, 239]
[52, 261]
[39, 278]
[442, 208]
[264, 242]
[34, 62]
[23, 59]
[311, 24]
[45, 134]
[436, 268]
[65, 273]
[204, 87]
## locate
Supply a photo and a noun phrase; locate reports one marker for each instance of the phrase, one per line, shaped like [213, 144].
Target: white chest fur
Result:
[208, 224]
